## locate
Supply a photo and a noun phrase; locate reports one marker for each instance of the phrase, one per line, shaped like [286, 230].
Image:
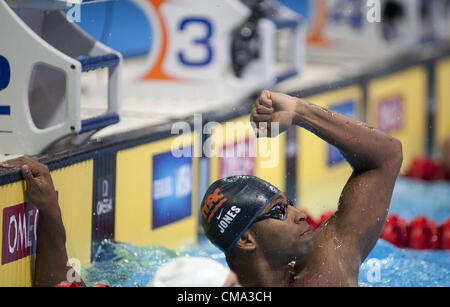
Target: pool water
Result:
[412, 198]
[127, 265]
[123, 264]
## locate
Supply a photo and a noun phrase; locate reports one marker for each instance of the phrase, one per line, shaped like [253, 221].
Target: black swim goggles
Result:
[279, 212]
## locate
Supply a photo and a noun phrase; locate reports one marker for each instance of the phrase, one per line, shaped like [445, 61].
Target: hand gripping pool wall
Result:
[321, 170]
[156, 193]
[442, 102]
[19, 220]
[397, 104]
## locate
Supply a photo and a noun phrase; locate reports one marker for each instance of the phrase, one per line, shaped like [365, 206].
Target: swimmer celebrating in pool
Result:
[260, 230]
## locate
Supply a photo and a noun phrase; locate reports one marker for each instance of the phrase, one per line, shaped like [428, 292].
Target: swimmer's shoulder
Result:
[324, 273]
[326, 265]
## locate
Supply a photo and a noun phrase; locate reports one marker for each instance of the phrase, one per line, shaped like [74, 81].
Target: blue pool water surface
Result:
[123, 264]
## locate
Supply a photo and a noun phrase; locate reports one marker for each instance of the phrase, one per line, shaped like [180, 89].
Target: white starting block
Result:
[441, 18]
[42, 57]
[346, 29]
[432, 20]
[43, 4]
[219, 49]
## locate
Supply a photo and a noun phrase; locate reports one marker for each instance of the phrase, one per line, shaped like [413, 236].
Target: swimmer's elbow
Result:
[395, 155]
[398, 152]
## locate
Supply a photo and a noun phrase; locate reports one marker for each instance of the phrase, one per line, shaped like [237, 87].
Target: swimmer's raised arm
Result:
[51, 255]
[375, 157]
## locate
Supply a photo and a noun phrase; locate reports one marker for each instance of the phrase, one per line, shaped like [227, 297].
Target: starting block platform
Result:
[44, 56]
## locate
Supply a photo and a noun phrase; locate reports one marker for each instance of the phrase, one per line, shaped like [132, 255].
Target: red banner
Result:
[238, 159]
[390, 114]
[19, 232]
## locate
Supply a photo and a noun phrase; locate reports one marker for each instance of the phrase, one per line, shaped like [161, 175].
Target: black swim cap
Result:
[230, 206]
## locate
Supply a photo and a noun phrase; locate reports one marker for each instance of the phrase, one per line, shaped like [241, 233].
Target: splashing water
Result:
[127, 265]
[412, 198]
[389, 266]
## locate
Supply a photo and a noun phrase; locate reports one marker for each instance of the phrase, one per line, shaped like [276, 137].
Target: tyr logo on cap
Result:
[212, 203]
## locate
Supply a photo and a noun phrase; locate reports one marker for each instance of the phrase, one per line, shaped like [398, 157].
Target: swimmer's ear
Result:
[247, 241]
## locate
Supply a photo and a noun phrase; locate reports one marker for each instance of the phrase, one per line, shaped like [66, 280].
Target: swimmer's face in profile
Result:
[245, 214]
[281, 231]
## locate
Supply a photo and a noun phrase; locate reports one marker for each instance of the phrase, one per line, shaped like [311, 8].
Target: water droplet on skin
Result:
[338, 244]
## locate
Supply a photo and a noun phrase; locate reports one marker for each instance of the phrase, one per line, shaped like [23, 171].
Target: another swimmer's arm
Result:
[376, 159]
[51, 255]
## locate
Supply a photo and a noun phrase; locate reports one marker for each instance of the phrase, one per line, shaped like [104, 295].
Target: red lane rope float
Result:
[425, 168]
[419, 234]
[71, 284]
[67, 284]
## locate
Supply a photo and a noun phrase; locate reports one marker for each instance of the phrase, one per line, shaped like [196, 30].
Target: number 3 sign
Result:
[191, 55]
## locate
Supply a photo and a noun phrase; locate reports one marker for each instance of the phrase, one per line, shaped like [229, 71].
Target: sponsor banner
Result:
[157, 194]
[232, 146]
[442, 108]
[397, 104]
[75, 192]
[19, 232]
[235, 150]
[321, 170]
[103, 204]
[171, 190]
[347, 108]
[237, 159]
[390, 113]
[18, 272]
